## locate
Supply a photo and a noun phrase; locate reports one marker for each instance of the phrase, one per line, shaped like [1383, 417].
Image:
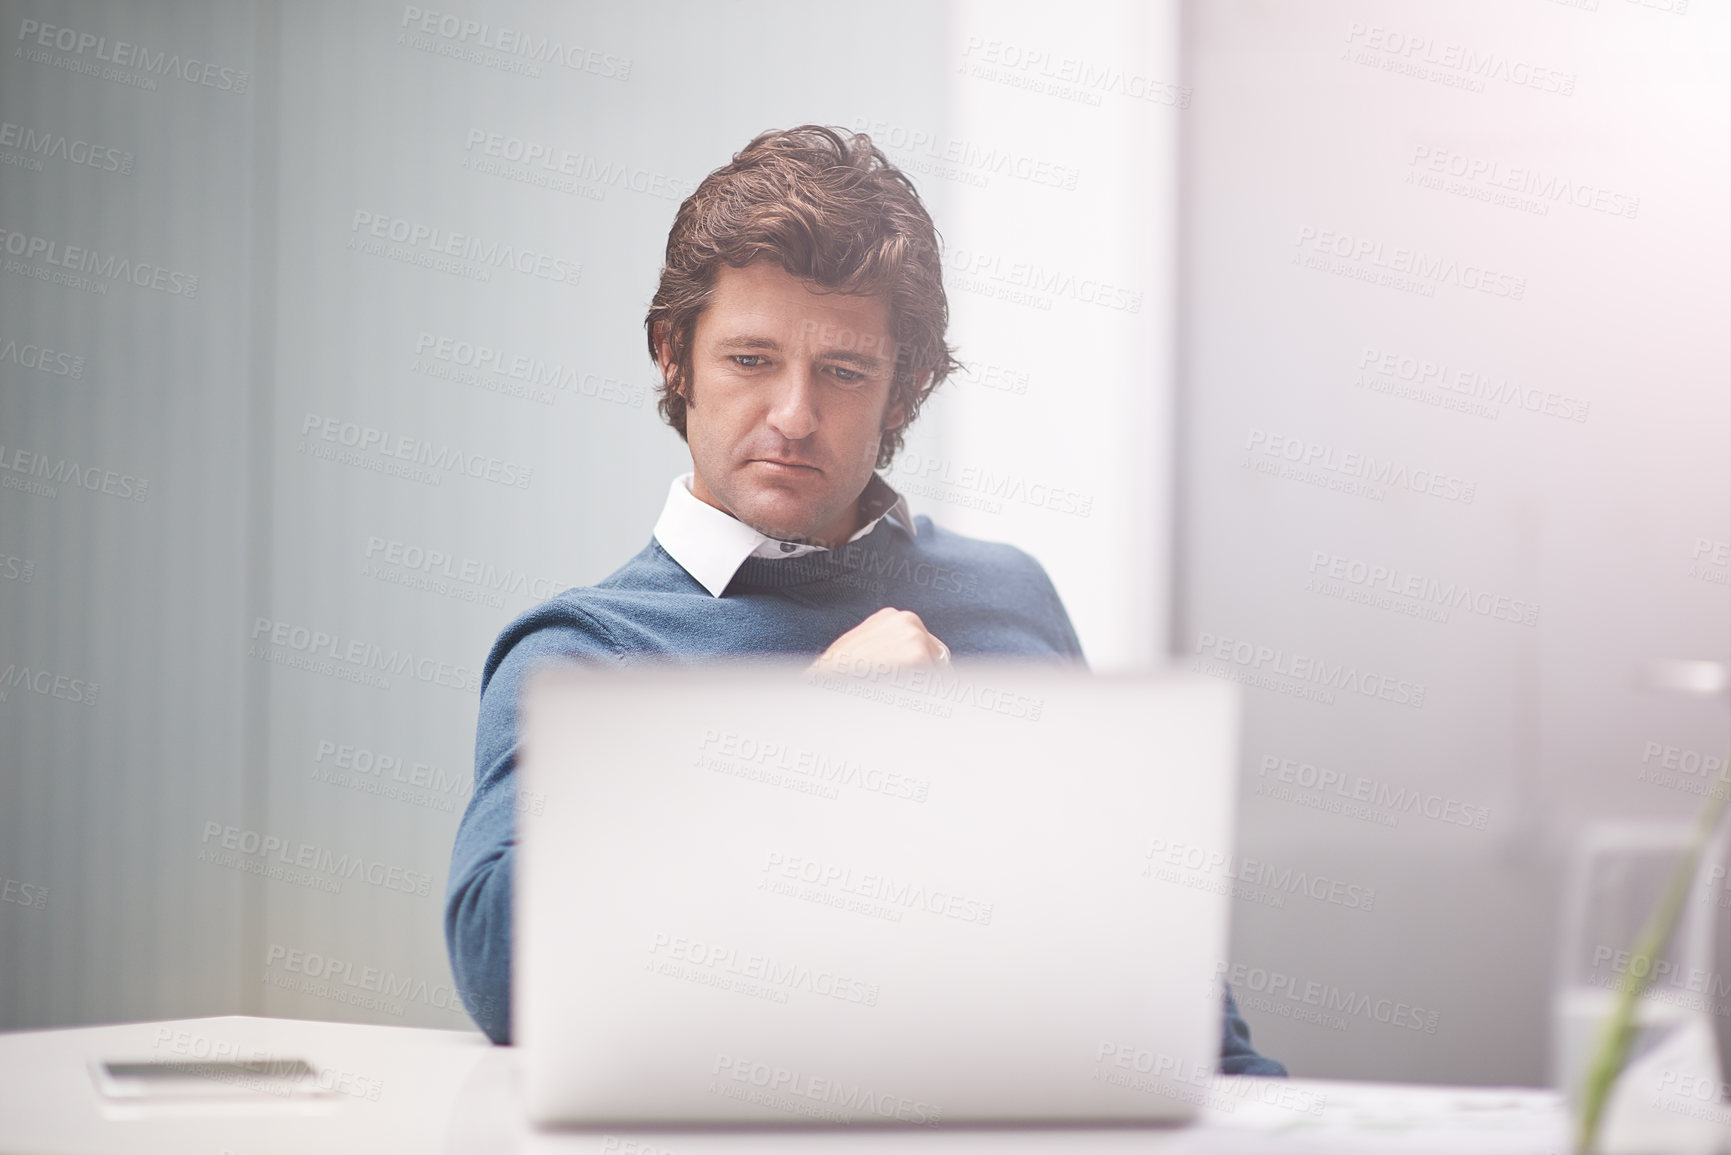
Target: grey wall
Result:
[126, 196]
[366, 454]
[283, 631]
[1598, 473]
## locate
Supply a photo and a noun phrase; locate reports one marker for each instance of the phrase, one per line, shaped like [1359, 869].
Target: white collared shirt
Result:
[711, 544]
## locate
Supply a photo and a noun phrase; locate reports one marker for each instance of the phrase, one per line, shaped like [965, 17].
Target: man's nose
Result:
[794, 412]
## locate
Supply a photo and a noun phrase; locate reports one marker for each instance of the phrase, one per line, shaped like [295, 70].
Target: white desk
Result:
[400, 1089]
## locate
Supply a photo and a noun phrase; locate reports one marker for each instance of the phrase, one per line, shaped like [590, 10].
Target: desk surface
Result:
[400, 1089]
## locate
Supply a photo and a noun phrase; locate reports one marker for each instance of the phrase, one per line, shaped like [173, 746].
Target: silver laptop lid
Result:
[745, 894]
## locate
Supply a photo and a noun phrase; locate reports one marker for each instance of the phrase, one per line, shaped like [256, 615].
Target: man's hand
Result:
[891, 636]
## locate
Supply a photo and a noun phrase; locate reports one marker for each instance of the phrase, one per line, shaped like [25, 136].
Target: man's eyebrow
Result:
[748, 342]
[864, 360]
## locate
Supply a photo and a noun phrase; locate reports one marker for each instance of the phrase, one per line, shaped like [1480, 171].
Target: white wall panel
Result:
[1486, 245]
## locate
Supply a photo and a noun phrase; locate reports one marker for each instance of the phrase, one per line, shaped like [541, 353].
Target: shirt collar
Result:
[711, 544]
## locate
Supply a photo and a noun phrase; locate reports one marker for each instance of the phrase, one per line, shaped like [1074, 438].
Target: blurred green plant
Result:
[1612, 1051]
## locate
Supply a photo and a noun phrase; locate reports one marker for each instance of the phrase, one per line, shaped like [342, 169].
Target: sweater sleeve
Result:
[1046, 609]
[478, 893]
[1237, 1056]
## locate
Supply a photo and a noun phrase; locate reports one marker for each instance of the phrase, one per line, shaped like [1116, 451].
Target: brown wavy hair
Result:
[830, 209]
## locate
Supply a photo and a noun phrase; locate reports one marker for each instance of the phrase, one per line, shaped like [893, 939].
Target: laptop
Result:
[986, 893]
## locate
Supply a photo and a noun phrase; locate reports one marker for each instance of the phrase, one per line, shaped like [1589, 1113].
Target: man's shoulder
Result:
[996, 588]
[590, 621]
[975, 555]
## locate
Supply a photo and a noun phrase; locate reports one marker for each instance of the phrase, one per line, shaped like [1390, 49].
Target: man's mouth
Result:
[781, 464]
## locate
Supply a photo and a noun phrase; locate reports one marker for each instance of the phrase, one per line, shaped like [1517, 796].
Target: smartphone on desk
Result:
[140, 1081]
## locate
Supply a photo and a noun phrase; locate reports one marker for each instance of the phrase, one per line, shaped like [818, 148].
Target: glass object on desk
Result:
[1617, 879]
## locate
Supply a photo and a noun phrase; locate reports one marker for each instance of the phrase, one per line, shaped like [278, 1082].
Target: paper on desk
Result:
[1378, 1119]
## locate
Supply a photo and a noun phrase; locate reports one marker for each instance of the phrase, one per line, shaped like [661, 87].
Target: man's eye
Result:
[847, 376]
[748, 360]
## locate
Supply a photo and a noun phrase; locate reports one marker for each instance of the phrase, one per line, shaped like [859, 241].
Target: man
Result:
[799, 325]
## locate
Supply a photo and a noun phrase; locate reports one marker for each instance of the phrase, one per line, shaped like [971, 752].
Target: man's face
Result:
[787, 401]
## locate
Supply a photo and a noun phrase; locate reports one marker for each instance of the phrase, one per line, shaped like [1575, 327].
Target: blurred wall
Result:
[408, 398]
[128, 504]
[1453, 453]
[321, 357]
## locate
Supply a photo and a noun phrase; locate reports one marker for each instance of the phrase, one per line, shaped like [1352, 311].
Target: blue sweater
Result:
[979, 597]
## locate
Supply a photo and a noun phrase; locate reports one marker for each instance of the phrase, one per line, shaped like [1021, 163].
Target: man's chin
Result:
[781, 516]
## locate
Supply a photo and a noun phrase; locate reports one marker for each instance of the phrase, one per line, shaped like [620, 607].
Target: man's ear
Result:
[664, 358]
[897, 414]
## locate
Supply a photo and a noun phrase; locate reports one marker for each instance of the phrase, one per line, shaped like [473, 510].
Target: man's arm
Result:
[1237, 1056]
[478, 894]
